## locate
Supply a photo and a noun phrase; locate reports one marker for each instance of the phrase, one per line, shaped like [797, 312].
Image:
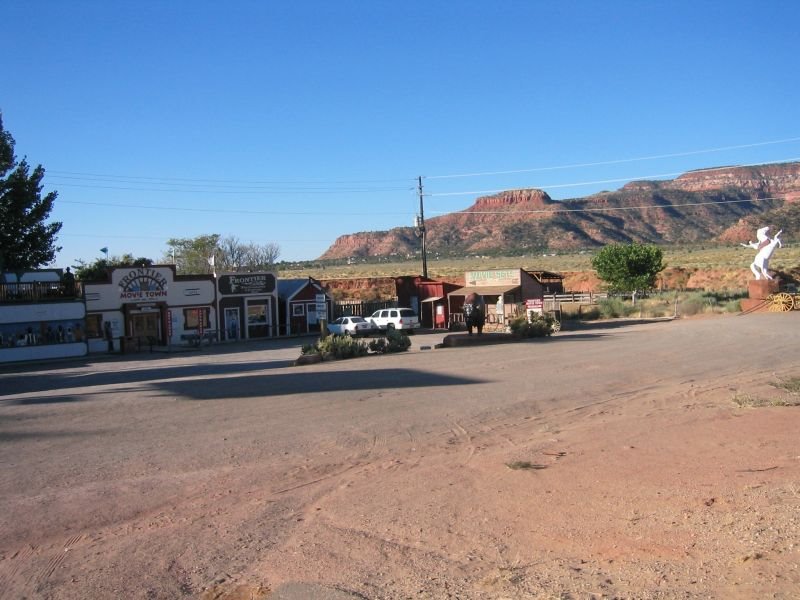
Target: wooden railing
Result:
[358, 308]
[40, 291]
[576, 297]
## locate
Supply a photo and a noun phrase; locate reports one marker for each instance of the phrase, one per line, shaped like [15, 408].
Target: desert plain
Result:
[621, 460]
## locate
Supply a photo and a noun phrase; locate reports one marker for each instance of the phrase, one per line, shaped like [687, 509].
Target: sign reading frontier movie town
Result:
[247, 283]
[143, 283]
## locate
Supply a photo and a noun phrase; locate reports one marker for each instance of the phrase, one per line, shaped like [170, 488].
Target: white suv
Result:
[395, 318]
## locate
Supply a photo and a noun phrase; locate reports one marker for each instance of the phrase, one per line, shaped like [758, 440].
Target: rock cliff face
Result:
[722, 204]
[780, 180]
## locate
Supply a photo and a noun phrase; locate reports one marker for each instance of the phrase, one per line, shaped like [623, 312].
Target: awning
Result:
[433, 299]
[486, 290]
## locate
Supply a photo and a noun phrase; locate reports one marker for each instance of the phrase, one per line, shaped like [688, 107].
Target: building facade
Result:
[504, 291]
[142, 307]
[42, 317]
[247, 304]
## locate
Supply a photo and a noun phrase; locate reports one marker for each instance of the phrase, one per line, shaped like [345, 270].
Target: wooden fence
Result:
[39, 291]
[357, 308]
[576, 297]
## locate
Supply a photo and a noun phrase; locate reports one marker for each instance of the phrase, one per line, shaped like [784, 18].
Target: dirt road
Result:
[601, 463]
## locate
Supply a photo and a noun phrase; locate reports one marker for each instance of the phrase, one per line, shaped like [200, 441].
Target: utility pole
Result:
[420, 229]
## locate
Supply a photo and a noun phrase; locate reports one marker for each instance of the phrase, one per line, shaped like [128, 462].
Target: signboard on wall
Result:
[142, 283]
[492, 277]
[534, 303]
[247, 283]
[321, 306]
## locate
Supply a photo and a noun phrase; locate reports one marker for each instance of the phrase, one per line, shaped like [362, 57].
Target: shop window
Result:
[37, 333]
[191, 316]
[257, 314]
[94, 326]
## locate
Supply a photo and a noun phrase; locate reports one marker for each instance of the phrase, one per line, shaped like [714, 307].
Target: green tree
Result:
[193, 256]
[213, 253]
[26, 240]
[98, 270]
[629, 267]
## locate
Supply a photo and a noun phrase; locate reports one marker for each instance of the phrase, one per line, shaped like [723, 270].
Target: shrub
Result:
[539, 326]
[340, 346]
[613, 308]
[309, 349]
[395, 341]
[693, 305]
[711, 302]
[732, 306]
[336, 346]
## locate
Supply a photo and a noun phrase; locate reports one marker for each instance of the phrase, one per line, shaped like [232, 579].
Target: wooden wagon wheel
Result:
[780, 302]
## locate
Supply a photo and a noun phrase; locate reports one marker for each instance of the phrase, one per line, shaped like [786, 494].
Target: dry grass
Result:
[710, 258]
[791, 385]
[524, 465]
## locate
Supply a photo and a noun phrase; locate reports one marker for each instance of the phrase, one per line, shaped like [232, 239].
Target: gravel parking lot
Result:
[606, 462]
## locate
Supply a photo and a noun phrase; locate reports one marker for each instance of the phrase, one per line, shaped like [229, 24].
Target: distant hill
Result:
[722, 205]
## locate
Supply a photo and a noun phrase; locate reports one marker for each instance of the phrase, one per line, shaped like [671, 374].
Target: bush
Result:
[614, 308]
[710, 302]
[336, 346]
[395, 341]
[309, 349]
[692, 305]
[539, 326]
[732, 306]
[340, 346]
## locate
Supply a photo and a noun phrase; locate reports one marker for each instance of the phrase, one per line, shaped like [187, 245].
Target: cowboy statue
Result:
[764, 246]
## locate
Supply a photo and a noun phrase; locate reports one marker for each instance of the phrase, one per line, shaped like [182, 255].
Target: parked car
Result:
[352, 326]
[395, 318]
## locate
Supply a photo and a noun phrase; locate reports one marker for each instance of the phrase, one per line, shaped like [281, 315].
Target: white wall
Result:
[45, 352]
[56, 311]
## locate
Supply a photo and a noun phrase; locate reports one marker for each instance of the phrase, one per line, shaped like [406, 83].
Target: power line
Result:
[243, 190]
[463, 212]
[229, 186]
[225, 210]
[615, 161]
[601, 208]
[188, 180]
[152, 237]
[615, 180]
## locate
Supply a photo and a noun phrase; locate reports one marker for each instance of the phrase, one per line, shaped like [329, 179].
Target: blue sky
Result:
[297, 122]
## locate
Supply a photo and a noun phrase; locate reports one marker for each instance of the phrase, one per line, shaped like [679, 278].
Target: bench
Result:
[195, 339]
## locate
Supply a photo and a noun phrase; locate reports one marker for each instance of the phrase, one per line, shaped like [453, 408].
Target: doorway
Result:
[232, 323]
[259, 318]
[145, 328]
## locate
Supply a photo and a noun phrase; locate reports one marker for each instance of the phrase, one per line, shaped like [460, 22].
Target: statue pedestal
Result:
[758, 290]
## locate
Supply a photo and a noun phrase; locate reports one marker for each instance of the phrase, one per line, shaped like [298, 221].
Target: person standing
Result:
[109, 335]
[68, 283]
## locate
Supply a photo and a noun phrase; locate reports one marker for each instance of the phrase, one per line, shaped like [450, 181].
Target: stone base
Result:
[753, 305]
[759, 289]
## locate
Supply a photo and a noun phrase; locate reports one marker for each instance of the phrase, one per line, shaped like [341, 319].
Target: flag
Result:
[104, 250]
